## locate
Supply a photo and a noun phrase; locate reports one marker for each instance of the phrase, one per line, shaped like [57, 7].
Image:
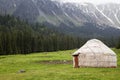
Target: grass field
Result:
[52, 66]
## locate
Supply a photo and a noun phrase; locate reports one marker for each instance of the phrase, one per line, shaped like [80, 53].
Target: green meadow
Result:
[52, 66]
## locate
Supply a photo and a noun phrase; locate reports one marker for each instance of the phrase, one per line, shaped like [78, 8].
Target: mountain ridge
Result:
[65, 15]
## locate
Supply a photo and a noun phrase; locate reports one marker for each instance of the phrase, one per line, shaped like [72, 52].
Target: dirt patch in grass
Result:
[55, 62]
[2, 57]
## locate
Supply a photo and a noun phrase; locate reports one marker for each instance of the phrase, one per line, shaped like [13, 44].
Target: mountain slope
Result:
[70, 18]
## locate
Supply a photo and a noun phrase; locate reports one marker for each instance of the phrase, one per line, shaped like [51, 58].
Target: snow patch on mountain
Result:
[105, 15]
[117, 18]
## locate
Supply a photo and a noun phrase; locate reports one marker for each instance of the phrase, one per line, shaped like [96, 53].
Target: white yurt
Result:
[94, 54]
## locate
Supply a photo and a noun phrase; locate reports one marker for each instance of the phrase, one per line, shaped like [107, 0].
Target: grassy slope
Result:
[10, 65]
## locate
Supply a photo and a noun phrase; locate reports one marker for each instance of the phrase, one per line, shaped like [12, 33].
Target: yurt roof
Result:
[94, 46]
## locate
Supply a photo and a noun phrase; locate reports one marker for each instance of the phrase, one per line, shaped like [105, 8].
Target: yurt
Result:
[94, 54]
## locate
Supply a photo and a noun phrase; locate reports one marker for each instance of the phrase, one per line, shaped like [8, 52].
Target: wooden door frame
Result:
[76, 61]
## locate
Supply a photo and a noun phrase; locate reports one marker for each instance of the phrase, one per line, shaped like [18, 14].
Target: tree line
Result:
[19, 37]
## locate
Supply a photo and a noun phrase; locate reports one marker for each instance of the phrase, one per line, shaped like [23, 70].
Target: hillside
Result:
[83, 19]
[52, 66]
[18, 36]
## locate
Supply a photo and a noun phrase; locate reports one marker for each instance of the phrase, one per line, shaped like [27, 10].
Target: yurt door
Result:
[75, 61]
